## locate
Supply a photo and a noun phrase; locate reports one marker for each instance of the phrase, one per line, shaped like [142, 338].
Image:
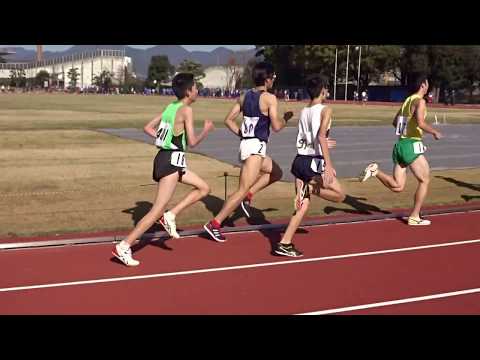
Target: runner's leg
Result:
[421, 170]
[395, 183]
[248, 174]
[166, 188]
[297, 218]
[270, 173]
[201, 189]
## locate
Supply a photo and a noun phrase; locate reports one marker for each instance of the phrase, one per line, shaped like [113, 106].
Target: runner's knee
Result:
[425, 179]
[341, 197]
[305, 205]
[205, 190]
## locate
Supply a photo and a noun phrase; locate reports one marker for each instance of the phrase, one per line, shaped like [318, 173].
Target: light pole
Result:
[335, 77]
[359, 62]
[346, 73]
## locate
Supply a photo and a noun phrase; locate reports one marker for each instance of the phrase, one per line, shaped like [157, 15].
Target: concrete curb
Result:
[162, 235]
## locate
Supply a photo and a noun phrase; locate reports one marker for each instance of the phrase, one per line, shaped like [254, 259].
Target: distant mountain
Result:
[141, 58]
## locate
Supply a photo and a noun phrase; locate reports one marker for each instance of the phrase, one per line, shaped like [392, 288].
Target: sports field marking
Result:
[393, 302]
[238, 267]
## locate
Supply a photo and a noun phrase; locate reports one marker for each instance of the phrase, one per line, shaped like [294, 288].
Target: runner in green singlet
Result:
[409, 150]
[173, 129]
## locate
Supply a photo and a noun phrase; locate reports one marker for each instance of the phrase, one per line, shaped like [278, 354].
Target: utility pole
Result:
[39, 52]
[359, 62]
[346, 75]
[335, 77]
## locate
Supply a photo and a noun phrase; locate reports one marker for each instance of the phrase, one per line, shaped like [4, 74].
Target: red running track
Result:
[342, 268]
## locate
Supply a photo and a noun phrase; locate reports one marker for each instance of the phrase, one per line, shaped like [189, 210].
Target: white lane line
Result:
[393, 302]
[238, 267]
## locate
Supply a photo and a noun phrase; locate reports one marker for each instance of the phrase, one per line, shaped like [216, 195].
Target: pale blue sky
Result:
[188, 47]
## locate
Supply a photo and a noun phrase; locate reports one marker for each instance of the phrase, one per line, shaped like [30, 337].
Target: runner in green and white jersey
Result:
[173, 130]
[409, 150]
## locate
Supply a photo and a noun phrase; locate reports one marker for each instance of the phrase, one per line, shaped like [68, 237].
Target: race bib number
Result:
[248, 126]
[401, 125]
[252, 147]
[178, 159]
[162, 133]
[262, 148]
[419, 148]
[304, 142]
[318, 165]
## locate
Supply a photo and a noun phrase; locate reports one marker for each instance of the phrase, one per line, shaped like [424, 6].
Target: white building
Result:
[221, 77]
[88, 64]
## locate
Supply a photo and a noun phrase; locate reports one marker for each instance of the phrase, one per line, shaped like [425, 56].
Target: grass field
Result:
[63, 176]
[67, 111]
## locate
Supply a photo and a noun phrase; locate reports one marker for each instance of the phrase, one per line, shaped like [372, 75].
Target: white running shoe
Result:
[418, 221]
[370, 170]
[168, 222]
[125, 256]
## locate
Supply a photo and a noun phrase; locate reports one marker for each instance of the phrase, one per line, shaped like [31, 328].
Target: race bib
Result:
[401, 125]
[178, 159]
[162, 133]
[252, 147]
[318, 165]
[248, 126]
[419, 148]
[304, 142]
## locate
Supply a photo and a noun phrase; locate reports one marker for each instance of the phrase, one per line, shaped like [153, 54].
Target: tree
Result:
[41, 77]
[233, 74]
[471, 68]
[282, 58]
[246, 80]
[18, 78]
[375, 61]
[160, 70]
[192, 67]
[294, 63]
[73, 76]
[104, 80]
[131, 81]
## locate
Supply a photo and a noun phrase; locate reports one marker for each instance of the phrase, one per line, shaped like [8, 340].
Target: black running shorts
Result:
[162, 166]
[303, 167]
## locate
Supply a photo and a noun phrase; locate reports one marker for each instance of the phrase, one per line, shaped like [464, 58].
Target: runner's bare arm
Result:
[152, 125]
[323, 140]
[232, 115]
[192, 139]
[277, 124]
[420, 108]
[395, 119]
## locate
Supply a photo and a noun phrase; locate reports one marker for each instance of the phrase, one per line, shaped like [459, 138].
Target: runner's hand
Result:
[287, 115]
[208, 126]
[328, 175]
[437, 135]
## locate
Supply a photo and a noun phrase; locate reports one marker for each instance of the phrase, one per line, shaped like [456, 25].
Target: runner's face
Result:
[425, 86]
[325, 93]
[192, 94]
